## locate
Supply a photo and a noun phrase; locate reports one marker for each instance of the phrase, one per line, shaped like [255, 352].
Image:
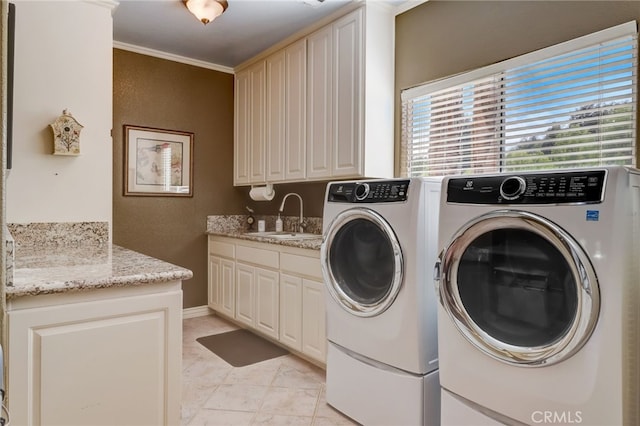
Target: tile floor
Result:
[282, 391]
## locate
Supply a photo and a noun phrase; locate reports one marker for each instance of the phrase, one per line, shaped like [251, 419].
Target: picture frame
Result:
[157, 162]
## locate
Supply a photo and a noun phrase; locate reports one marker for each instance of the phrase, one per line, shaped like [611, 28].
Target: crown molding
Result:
[171, 57]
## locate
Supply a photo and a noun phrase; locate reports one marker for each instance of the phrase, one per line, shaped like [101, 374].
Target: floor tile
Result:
[275, 419]
[292, 402]
[208, 417]
[286, 390]
[237, 397]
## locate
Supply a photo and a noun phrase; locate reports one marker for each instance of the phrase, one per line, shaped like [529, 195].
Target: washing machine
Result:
[378, 250]
[538, 284]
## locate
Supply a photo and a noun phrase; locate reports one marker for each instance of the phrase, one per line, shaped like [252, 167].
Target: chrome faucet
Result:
[301, 223]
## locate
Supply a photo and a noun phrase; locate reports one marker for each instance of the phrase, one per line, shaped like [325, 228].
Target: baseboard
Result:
[196, 311]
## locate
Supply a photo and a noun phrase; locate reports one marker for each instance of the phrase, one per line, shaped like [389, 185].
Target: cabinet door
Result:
[242, 128]
[267, 300]
[245, 304]
[221, 293]
[257, 105]
[291, 311]
[348, 92]
[276, 116]
[314, 341]
[296, 97]
[319, 103]
[215, 284]
[227, 287]
[115, 361]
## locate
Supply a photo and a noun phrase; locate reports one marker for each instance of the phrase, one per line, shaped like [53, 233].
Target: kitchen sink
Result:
[284, 235]
[294, 236]
[259, 234]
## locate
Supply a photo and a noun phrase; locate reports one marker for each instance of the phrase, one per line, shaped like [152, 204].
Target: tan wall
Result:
[158, 93]
[442, 38]
[153, 92]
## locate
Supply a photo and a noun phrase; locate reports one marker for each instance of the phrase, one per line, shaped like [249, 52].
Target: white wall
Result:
[63, 59]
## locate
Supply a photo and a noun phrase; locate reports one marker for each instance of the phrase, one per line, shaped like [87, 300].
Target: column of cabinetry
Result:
[302, 313]
[221, 290]
[249, 140]
[270, 118]
[350, 103]
[276, 290]
[295, 107]
[319, 103]
[257, 289]
[339, 108]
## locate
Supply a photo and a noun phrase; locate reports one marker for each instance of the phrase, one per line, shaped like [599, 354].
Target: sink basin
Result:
[293, 236]
[259, 234]
[284, 235]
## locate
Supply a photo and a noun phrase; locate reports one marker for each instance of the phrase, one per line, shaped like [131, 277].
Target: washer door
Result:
[362, 262]
[519, 288]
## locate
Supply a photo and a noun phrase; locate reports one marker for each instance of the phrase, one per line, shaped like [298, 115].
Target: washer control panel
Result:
[378, 191]
[529, 188]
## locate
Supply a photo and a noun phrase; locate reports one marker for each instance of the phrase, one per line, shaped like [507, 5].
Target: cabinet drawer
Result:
[257, 256]
[301, 265]
[222, 249]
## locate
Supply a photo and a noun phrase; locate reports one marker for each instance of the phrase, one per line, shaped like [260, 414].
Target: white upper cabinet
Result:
[331, 115]
[276, 114]
[319, 103]
[250, 134]
[241, 129]
[348, 96]
[295, 117]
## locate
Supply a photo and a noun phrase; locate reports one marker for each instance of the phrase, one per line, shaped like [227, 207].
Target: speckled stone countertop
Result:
[65, 269]
[63, 257]
[234, 226]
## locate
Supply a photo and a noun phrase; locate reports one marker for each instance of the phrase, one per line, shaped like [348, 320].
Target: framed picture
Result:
[158, 162]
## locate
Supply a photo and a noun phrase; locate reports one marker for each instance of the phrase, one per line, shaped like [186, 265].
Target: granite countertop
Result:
[50, 270]
[235, 226]
[308, 243]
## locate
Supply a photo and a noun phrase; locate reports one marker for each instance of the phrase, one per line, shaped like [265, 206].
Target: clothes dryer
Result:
[379, 245]
[538, 284]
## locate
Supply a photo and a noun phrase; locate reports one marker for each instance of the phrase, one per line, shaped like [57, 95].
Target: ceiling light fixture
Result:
[206, 10]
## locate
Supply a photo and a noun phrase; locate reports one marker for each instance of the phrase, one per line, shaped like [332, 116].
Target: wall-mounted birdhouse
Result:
[66, 135]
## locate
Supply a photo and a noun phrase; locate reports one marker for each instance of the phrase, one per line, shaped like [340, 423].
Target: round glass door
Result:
[519, 288]
[362, 262]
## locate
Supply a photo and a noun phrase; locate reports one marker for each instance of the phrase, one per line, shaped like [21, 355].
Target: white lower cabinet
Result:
[278, 291]
[221, 290]
[267, 302]
[313, 320]
[302, 316]
[257, 298]
[245, 295]
[105, 356]
[291, 311]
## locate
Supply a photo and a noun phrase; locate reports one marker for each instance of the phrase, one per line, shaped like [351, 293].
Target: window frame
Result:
[490, 72]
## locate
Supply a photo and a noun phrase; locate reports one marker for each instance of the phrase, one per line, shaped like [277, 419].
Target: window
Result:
[570, 105]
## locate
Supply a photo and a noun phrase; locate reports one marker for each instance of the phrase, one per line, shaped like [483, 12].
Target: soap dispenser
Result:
[278, 224]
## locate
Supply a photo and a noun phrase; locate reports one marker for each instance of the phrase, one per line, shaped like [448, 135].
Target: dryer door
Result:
[362, 262]
[519, 288]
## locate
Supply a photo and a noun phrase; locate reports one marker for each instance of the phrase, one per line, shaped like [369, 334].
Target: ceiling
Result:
[245, 29]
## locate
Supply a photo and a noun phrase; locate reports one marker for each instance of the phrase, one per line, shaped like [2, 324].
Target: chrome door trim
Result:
[587, 292]
[352, 306]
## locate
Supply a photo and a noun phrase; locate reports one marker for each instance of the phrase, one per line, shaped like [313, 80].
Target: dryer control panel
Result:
[529, 188]
[378, 191]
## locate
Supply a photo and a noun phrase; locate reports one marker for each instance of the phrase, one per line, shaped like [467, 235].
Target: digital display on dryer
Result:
[369, 191]
[529, 188]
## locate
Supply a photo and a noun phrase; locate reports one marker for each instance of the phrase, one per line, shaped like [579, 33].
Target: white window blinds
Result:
[566, 106]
